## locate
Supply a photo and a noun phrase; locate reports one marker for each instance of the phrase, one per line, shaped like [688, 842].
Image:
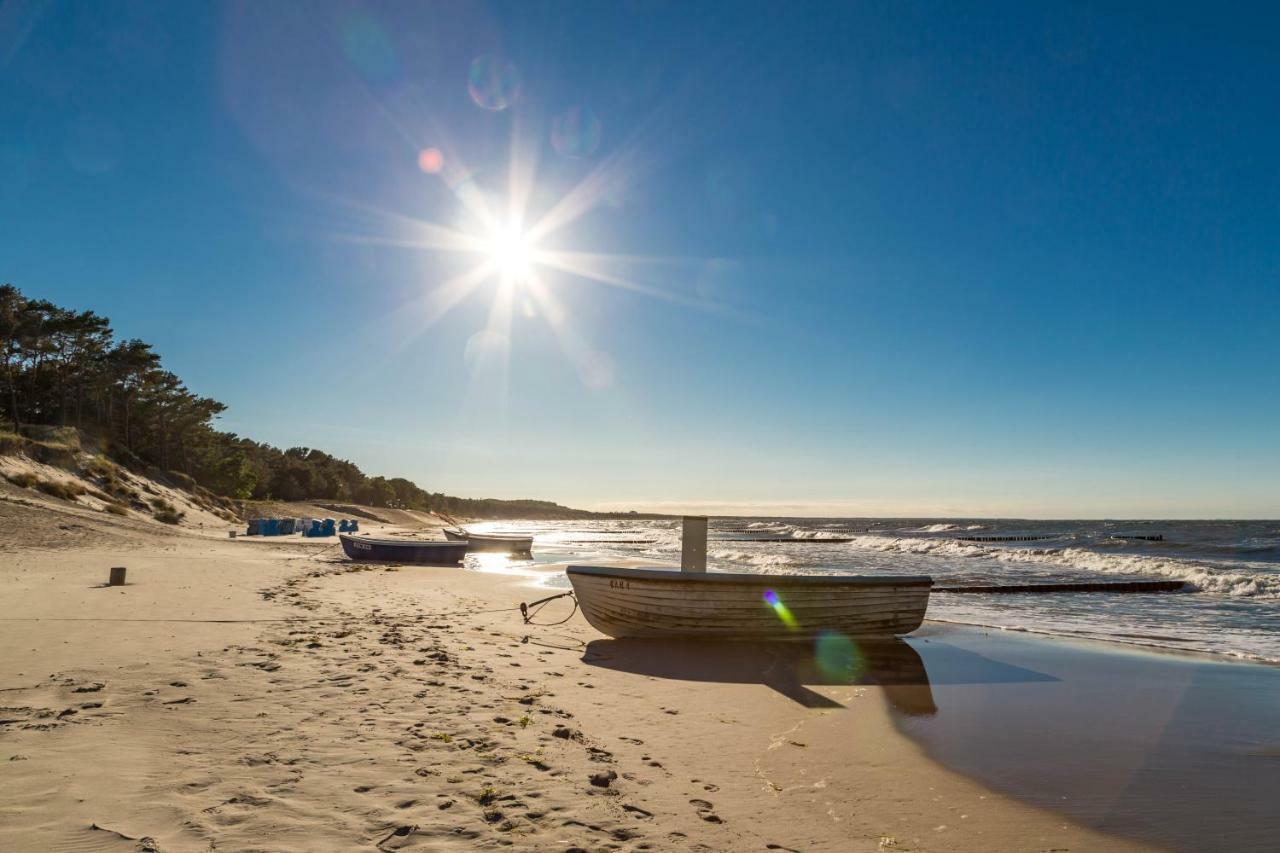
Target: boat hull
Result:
[656, 603]
[418, 552]
[496, 542]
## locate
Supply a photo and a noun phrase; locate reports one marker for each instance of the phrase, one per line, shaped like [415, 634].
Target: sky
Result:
[899, 259]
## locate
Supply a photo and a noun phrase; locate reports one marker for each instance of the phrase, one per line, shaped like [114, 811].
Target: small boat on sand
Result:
[422, 551]
[660, 603]
[511, 543]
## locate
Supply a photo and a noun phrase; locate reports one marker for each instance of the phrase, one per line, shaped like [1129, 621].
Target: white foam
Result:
[1202, 578]
[771, 560]
[810, 533]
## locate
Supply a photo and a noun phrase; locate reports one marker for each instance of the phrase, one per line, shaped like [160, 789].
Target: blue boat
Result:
[419, 551]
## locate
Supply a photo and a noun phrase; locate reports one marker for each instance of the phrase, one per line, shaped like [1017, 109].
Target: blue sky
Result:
[879, 258]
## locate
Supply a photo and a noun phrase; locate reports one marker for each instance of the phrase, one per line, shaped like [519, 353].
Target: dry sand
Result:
[267, 695]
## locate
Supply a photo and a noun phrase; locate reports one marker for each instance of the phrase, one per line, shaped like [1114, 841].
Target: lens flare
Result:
[368, 46]
[493, 83]
[838, 657]
[576, 132]
[431, 160]
[784, 614]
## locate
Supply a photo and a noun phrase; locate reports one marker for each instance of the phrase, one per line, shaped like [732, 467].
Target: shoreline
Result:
[1121, 643]
[373, 696]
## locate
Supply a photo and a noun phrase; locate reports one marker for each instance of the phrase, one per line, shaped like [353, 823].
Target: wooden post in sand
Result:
[693, 544]
[117, 576]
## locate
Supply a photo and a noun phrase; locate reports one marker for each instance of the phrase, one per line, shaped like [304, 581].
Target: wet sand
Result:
[1179, 750]
[303, 703]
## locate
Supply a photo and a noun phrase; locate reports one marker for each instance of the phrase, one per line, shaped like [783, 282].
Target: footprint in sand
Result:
[706, 811]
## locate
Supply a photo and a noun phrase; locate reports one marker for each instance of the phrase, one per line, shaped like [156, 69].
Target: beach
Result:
[271, 695]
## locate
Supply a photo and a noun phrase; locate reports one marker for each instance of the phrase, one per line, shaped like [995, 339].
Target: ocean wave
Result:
[1202, 578]
[771, 560]
[810, 533]
[795, 531]
[946, 527]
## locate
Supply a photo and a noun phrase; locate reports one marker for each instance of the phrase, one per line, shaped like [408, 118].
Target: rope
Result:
[542, 602]
[577, 644]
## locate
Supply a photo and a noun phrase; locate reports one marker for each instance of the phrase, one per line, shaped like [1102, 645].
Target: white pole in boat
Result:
[693, 544]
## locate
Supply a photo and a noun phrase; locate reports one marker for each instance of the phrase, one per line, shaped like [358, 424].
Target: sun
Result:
[511, 251]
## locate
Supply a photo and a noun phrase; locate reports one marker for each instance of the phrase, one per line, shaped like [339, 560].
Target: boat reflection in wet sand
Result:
[509, 543]
[420, 551]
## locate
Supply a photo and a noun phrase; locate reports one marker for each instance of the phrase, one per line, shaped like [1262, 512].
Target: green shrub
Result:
[99, 467]
[120, 488]
[11, 444]
[23, 479]
[166, 512]
[183, 480]
[57, 455]
[66, 491]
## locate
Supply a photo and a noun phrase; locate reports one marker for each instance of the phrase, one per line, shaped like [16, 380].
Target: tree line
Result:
[63, 367]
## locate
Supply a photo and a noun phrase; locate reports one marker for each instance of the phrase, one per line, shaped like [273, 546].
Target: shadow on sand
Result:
[791, 668]
[787, 667]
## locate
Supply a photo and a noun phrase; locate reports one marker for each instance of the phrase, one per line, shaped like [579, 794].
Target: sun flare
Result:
[511, 252]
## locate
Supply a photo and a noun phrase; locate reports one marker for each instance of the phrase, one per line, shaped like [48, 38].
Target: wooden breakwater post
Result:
[693, 544]
[117, 576]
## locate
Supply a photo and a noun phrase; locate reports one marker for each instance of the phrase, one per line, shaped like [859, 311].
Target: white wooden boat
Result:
[661, 603]
[511, 543]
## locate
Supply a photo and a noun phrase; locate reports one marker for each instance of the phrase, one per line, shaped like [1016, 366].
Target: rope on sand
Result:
[542, 602]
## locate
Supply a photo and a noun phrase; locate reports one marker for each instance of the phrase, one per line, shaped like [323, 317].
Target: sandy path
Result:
[389, 712]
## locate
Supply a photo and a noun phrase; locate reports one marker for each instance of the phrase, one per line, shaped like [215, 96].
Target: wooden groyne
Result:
[1084, 586]
[1036, 537]
[608, 541]
[789, 539]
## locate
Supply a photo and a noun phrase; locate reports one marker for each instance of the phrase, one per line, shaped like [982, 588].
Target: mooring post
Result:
[117, 576]
[693, 544]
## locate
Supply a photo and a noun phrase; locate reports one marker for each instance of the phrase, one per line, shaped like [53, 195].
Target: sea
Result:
[1231, 569]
